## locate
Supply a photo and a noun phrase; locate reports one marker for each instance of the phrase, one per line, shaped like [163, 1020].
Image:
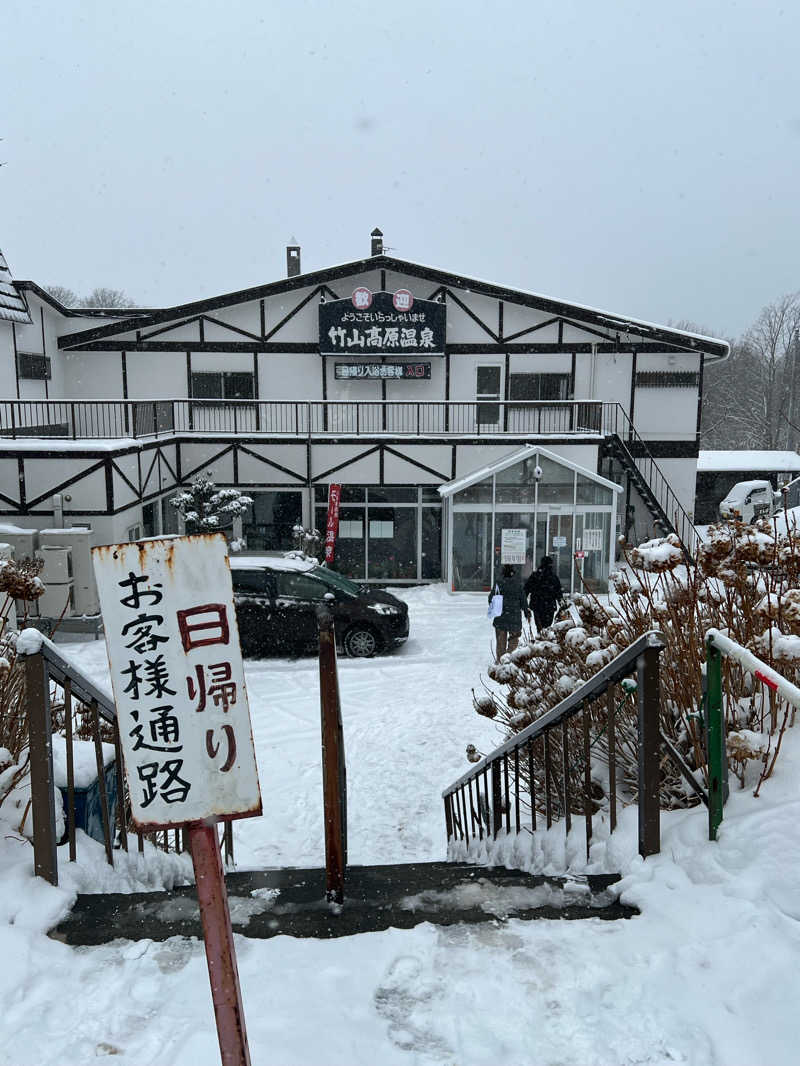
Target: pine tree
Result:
[207, 509]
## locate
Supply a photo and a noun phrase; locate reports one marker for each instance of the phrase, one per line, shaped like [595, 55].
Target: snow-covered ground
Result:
[706, 975]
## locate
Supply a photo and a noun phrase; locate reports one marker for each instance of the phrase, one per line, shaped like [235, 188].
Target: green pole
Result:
[715, 732]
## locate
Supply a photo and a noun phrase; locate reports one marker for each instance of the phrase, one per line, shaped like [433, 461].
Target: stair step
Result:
[267, 903]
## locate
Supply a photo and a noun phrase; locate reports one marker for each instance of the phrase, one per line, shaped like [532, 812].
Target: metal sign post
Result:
[184, 722]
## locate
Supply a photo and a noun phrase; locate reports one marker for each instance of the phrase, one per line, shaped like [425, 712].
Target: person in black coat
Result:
[543, 591]
[508, 625]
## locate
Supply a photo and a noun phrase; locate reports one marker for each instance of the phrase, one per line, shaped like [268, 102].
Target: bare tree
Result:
[65, 296]
[772, 340]
[100, 297]
[103, 297]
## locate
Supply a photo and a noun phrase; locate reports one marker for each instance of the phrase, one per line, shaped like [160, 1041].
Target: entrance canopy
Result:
[526, 505]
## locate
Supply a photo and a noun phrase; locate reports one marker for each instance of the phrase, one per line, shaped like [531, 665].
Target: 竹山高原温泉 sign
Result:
[178, 680]
[382, 323]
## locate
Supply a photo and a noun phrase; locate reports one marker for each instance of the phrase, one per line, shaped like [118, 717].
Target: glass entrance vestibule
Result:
[530, 504]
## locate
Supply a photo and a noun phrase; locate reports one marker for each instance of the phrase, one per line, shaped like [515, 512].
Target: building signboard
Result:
[387, 323]
[178, 680]
[382, 371]
[513, 544]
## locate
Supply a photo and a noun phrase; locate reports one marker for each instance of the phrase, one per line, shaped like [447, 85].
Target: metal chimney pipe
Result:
[377, 242]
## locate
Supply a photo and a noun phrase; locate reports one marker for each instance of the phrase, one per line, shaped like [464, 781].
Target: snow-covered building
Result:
[387, 377]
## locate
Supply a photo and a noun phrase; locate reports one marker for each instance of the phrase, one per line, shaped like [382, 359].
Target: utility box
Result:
[58, 597]
[79, 540]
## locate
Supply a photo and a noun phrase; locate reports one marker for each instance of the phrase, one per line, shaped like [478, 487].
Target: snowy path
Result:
[706, 976]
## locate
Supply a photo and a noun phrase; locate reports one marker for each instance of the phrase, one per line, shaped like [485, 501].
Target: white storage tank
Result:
[58, 598]
[79, 540]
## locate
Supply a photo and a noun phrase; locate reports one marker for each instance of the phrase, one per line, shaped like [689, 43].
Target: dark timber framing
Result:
[604, 325]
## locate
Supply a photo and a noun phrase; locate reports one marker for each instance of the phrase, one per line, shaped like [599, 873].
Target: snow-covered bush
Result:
[745, 581]
[18, 581]
[207, 509]
[308, 542]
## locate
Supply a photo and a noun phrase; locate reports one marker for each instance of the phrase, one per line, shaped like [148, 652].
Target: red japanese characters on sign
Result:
[332, 524]
[403, 300]
[362, 298]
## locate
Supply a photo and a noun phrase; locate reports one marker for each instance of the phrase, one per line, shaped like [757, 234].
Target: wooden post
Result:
[223, 973]
[334, 779]
[649, 759]
[37, 698]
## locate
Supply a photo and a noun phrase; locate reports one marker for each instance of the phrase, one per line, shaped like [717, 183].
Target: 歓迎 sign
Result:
[513, 543]
[178, 680]
[381, 371]
[387, 324]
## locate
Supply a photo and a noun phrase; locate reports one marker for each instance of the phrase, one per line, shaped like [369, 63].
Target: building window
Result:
[33, 367]
[488, 388]
[223, 385]
[538, 387]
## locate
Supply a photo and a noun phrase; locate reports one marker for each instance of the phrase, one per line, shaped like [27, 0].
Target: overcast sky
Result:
[639, 157]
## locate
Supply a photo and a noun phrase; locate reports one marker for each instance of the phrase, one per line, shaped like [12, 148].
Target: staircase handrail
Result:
[674, 504]
[644, 654]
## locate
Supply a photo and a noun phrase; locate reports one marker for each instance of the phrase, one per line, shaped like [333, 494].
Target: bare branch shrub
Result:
[745, 581]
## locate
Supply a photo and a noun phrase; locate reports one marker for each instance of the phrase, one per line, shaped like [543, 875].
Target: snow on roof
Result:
[12, 306]
[606, 319]
[517, 457]
[292, 561]
[709, 461]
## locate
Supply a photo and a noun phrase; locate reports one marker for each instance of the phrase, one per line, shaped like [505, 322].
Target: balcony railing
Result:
[113, 419]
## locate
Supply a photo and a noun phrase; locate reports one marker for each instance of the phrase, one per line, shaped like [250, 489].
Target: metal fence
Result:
[62, 700]
[112, 419]
[543, 773]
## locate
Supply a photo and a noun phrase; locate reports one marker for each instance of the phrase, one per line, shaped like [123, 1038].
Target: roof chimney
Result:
[377, 242]
[292, 259]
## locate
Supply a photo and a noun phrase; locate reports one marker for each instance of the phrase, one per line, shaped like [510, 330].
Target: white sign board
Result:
[513, 543]
[559, 542]
[593, 540]
[178, 679]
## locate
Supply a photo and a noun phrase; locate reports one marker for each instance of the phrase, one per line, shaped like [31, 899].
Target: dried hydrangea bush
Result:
[18, 581]
[745, 581]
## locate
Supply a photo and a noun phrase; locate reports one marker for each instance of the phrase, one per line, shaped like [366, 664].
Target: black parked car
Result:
[277, 597]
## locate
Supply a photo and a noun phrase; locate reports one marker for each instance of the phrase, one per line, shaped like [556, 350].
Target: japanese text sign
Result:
[404, 327]
[513, 543]
[178, 679]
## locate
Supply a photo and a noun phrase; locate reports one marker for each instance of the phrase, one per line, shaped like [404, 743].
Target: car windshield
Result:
[336, 581]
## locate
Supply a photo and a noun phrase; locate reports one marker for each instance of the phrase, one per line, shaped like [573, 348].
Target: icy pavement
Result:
[706, 975]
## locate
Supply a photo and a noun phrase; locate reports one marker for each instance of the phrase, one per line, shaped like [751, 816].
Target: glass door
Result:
[559, 545]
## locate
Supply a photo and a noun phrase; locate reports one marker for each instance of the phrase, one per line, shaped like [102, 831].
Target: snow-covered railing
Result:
[85, 709]
[502, 786]
[719, 645]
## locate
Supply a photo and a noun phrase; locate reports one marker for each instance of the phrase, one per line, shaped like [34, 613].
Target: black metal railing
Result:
[113, 419]
[544, 772]
[62, 701]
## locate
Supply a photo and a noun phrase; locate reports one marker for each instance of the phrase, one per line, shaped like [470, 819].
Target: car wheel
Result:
[361, 642]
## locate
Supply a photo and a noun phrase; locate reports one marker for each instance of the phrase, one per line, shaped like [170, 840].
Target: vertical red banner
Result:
[332, 525]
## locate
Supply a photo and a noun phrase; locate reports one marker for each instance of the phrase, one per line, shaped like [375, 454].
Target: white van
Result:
[748, 500]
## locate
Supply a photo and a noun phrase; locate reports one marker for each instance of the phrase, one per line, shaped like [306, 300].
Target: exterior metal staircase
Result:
[664, 507]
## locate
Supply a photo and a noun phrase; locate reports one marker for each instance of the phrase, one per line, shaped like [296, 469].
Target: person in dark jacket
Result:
[542, 592]
[508, 625]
